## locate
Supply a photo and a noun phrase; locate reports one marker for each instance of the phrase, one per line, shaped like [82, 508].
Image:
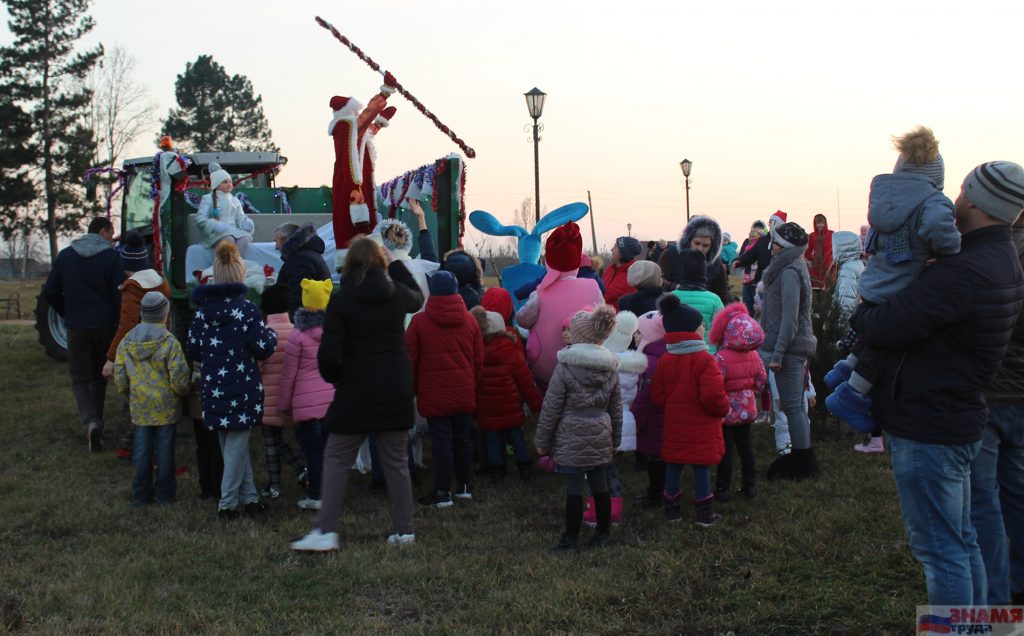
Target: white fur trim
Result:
[590, 356]
[387, 90]
[632, 362]
[348, 111]
[147, 278]
[382, 121]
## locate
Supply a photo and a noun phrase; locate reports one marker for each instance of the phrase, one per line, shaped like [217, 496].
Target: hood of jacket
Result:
[846, 246]
[704, 225]
[89, 245]
[446, 311]
[499, 347]
[304, 238]
[590, 364]
[144, 340]
[497, 299]
[733, 328]
[464, 266]
[632, 361]
[814, 223]
[894, 197]
[219, 302]
[147, 279]
[306, 319]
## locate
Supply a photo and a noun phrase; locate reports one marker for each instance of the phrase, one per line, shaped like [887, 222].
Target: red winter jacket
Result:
[616, 284]
[504, 384]
[689, 387]
[447, 353]
[819, 254]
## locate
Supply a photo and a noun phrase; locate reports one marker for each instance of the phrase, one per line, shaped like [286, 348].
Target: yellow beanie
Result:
[316, 293]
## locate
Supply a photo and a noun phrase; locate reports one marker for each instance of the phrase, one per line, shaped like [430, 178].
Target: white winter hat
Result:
[218, 175]
[625, 326]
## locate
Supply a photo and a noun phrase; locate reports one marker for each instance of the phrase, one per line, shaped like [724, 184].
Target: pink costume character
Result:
[558, 295]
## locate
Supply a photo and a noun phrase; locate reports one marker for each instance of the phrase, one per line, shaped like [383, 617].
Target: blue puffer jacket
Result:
[83, 284]
[948, 333]
[906, 200]
[226, 338]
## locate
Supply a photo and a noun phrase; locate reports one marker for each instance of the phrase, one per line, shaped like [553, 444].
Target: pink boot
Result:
[616, 511]
[590, 514]
[874, 445]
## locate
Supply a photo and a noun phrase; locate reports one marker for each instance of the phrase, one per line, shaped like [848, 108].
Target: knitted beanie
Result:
[629, 248]
[227, 264]
[275, 299]
[134, 257]
[622, 336]
[677, 316]
[644, 274]
[919, 154]
[651, 329]
[997, 189]
[217, 175]
[316, 293]
[790, 235]
[442, 283]
[155, 307]
[564, 248]
[592, 327]
[695, 268]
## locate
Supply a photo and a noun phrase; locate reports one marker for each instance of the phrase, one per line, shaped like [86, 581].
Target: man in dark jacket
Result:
[997, 476]
[83, 287]
[302, 251]
[947, 334]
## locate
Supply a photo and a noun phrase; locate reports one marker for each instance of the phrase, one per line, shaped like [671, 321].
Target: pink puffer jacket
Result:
[270, 369]
[738, 336]
[303, 391]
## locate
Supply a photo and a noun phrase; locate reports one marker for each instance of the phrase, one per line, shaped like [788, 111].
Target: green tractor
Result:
[438, 186]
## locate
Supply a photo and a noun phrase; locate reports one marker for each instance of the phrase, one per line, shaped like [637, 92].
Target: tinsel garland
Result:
[118, 174]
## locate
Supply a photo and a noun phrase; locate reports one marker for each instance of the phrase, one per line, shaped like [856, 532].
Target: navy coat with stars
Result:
[226, 338]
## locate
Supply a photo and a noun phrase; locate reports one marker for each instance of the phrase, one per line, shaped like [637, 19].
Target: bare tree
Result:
[121, 108]
[23, 244]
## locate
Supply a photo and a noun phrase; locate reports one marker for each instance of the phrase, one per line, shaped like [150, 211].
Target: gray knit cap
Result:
[155, 307]
[997, 189]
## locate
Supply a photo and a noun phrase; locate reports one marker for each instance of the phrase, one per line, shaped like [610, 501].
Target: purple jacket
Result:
[302, 390]
[650, 418]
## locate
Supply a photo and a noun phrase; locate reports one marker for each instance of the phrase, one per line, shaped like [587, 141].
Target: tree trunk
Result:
[51, 203]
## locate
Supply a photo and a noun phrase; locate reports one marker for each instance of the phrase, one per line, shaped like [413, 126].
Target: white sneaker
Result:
[309, 504]
[873, 445]
[316, 541]
[401, 539]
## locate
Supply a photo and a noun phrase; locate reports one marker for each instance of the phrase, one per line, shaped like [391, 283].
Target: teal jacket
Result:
[706, 302]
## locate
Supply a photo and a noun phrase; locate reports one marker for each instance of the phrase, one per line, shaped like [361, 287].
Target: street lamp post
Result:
[687, 165]
[535, 104]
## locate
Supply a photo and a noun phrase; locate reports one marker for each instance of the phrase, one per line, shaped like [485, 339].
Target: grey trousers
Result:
[237, 484]
[790, 380]
[339, 455]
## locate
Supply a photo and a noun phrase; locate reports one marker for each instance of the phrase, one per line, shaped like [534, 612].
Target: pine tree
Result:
[217, 112]
[43, 73]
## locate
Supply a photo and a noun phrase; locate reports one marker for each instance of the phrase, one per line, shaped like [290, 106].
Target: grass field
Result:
[827, 557]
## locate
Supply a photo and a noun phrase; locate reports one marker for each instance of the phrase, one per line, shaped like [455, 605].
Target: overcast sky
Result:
[779, 105]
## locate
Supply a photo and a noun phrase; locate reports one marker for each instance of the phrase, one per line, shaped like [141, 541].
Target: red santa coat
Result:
[616, 284]
[350, 172]
[446, 349]
[504, 384]
[690, 389]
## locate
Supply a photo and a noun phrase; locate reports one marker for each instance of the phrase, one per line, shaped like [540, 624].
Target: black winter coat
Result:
[716, 276]
[83, 284]
[761, 253]
[645, 299]
[362, 352]
[303, 256]
[1008, 385]
[948, 333]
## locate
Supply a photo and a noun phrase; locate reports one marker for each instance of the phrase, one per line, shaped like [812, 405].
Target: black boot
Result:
[749, 486]
[603, 507]
[673, 513]
[706, 515]
[525, 470]
[497, 473]
[797, 465]
[722, 486]
[573, 523]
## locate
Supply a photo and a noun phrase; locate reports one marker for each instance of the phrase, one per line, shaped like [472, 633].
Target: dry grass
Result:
[828, 556]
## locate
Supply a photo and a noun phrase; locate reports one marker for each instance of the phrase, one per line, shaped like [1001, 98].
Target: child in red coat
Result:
[447, 354]
[504, 384]
[688, 385]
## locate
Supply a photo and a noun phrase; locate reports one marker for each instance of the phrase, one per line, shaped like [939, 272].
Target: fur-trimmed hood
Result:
[225, 291]
[465, 266]
[589, 356]
[306, 319]
[383, 226]
[303, 238]
[704, 226]
[632, 362]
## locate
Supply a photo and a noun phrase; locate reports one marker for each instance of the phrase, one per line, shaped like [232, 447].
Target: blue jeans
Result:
[451, 440]
[496, 446]
[934, 486]
[792, 382]
[310, 438]
[153, 444]
[749, 290]
[701, 481]
[997, 500]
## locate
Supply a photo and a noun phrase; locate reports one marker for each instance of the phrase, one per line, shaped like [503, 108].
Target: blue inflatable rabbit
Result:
[528, 269]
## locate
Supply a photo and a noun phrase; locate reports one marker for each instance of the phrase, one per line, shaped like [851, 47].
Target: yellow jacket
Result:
[150, 369]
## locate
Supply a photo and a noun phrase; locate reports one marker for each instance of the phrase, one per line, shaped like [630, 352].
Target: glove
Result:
[390, 84]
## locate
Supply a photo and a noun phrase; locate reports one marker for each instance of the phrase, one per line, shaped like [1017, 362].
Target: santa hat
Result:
[345, 104]
[384, 118]
[622, 335]
[777, 219]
